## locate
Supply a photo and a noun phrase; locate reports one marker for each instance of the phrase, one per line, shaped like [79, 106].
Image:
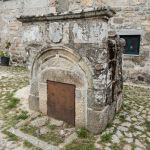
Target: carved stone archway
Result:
[62, 64]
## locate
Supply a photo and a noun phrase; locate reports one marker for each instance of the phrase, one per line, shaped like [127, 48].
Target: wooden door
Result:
[61, 101]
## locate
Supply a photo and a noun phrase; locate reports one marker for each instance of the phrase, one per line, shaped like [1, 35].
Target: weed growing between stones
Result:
[27, 144]
[107, 137]
[12, 103]
[51, 137]
[81, 145]
[122, 118]
[109, 125]
[29, 130]
[23, 115]
[82, 133]
[51, 126]
[85, 141]
[147, 124]
[10, 136]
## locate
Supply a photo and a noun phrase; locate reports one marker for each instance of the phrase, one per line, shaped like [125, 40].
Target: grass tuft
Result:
[27, 144]
[122, 118]
[82, 133]
[51, 126]
[81, 145]
[106, 137]
[29, 130]
[11, 136]
[147, 124]
[13, 102]
[109, 125]
[23, 115]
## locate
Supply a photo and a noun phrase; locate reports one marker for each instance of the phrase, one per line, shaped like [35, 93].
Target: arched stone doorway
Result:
[62, 65]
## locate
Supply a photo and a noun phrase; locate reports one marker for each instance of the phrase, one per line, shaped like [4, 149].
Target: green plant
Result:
[122, 118]
[81, 144]
[106, 137]
[29, 130]
[11, 136]
[12, 103]
[52, 138]
[82, 133]
[109, 125]
[27, 144]
[147, 124]
[51, 126]
[4, 54]
[23, 115]
[1, 54]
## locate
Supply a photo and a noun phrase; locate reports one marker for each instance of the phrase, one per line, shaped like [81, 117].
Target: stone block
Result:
[97, 120]
[34, 103]
[89, 32]
[56, 32]
[112, 112]
[147, 36]
[93, 123]
[39, 122]
[32, 34]
[34, 88]
[62, 6]
[118, 20]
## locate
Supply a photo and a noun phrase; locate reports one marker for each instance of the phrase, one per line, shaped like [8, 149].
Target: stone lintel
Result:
[102, 13]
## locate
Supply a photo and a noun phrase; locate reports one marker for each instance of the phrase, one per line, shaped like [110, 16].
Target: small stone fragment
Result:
[129, 140]
[126, 124]
[115, 139]
[55, 122]
[127, 147]
[139, 144]
[119, 134]
[124, 129]
[139, 128]
[98, 146]
[128, 134]
[39, 122]
[43, 130]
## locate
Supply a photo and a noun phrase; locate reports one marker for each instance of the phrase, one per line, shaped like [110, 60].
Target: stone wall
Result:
[132, 17]
[10, 29]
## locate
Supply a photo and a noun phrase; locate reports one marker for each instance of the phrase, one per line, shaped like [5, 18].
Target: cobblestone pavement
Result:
[11, 79]
[129, 131]
[131, 127]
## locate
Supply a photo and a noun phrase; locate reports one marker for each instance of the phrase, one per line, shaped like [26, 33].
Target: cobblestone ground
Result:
[131, 127]
[129, 131]
[11, 79]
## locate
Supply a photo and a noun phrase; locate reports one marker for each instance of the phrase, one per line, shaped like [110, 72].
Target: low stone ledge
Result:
[41, 144]
[103, 13]
[33, 140]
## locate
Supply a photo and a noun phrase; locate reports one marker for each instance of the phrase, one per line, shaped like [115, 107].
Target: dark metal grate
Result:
[132, 44]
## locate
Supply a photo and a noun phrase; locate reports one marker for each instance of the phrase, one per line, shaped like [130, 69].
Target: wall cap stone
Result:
[102, 13]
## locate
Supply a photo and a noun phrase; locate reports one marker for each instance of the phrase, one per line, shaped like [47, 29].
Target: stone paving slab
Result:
[39, 143]
[35, 141]
[137, 85]
[130, 129]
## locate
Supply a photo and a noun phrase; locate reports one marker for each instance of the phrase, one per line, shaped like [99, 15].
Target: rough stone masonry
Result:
[48, 26]
[74, 48]
[131, 18]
